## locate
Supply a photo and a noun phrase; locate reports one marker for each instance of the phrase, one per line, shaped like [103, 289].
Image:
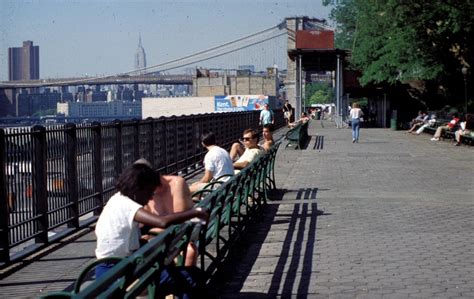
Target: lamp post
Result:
[464, 71]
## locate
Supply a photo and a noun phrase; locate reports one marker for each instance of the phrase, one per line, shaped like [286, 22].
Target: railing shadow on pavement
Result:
[296, 251]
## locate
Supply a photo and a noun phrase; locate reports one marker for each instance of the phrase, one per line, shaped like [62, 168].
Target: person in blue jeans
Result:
[355, 115]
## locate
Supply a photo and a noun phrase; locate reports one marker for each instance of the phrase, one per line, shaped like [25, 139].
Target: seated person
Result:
[303, 119]
[416, 123]
[251, 152]
[418, 118]
[465, 128]
[217, 162]
[448, 126]
[431, 122]
[172, 195]
[118, 231]
[267, 137]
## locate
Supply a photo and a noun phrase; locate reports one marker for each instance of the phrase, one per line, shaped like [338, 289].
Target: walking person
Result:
[266, 116]
[355, 115]
[287, 111]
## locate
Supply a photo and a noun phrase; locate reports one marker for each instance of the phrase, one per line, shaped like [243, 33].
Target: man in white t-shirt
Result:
[217, 162]
[252, 150]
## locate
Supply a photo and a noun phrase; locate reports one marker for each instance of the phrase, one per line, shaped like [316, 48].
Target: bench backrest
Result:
[231, 206]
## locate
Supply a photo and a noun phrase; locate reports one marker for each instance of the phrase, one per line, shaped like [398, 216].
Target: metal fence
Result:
[56, 180]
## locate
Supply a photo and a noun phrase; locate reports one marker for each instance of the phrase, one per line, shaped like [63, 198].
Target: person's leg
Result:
[438, 132]
[457, 136]
[101, 269]
[191, 255]
[353, 128]
[185, 282]
[357, 130]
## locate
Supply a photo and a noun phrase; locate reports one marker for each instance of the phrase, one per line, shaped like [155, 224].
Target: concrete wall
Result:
[226, 85]
[156, 107]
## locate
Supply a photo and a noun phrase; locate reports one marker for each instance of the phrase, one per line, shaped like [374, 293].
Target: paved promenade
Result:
[397, 222]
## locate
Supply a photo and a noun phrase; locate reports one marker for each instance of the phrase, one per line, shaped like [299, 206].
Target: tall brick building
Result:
[23, 63]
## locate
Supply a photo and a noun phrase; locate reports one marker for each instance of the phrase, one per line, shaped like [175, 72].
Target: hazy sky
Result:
[98, 37]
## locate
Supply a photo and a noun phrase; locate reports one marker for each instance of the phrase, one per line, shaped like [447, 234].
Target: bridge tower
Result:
[311, 48]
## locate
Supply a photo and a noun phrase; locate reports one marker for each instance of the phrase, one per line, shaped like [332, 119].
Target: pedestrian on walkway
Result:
[356, 117]
[287, 111]
[266, 116]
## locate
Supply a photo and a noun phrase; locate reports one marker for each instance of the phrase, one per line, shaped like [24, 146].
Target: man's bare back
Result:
[171, 196]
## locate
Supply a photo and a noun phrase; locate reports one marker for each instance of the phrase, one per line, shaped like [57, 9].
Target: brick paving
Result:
[397, 223]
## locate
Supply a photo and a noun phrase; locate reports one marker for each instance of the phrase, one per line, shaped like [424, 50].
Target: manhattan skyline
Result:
[96, 38]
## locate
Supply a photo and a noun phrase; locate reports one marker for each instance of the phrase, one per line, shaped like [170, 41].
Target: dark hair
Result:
[138, 177]
[208, 138]
[270, 127]
[253, 132]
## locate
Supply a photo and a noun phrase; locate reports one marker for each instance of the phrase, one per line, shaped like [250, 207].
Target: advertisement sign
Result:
[239, 102]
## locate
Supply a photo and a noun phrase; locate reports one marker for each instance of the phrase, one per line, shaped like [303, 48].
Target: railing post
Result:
[152, 141]
[4, 214]
[136, 140]
[97, 160]
[71, 172]
[40, 180]
[118, 147]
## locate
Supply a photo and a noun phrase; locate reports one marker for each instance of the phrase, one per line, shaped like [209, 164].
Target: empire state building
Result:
[140, 56]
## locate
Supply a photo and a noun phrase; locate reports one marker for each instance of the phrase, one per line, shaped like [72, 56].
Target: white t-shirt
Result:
[116, 231]
[356, 113]
[249, 155]
[218, 161]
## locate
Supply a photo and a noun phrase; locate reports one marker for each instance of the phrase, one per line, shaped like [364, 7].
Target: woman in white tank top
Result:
[355, 115]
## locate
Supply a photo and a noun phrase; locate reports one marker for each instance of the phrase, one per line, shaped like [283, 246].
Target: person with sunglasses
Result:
[249, 152]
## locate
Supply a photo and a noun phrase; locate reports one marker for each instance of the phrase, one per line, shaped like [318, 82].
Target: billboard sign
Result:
[233, 103]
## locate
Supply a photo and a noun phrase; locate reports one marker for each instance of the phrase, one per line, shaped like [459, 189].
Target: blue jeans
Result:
[185, 282]
[355, 128]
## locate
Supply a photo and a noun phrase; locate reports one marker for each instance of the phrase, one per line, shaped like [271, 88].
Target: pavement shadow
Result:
[295, 258]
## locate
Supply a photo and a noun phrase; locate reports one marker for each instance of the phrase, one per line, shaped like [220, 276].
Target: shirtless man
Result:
[170, 197]
[267, 137]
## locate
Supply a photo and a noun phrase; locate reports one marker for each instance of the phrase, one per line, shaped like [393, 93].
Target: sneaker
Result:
[457, 144]
[434, 139]
[353, 140]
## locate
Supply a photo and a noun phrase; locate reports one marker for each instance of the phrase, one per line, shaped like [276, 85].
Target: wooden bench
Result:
[297, 136]
[233, 205]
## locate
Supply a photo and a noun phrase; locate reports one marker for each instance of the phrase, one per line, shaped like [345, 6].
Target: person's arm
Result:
[241, 165]
[147, 218]
[207, 176]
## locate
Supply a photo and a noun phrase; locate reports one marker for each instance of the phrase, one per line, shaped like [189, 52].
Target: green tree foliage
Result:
[405, 40]
[318, 93]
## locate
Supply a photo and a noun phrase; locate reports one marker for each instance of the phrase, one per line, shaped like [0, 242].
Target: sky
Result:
[100, 37]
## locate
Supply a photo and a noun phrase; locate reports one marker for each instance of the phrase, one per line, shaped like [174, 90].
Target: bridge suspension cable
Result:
[220, 50]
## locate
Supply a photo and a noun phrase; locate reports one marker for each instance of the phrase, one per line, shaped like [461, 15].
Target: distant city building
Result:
[247, 67]
[23, 63]
[119, 109]
[140, 56]
[30, 103]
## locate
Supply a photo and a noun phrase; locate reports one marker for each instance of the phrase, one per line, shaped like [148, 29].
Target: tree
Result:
[318, 93]
[397, 41]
